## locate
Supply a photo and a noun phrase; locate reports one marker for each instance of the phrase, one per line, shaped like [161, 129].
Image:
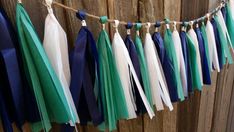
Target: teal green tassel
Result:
[193, 64]
[170, 51]
[143, 66]
[224, 43]
[203, 30]
[230, 24]
[112, 94]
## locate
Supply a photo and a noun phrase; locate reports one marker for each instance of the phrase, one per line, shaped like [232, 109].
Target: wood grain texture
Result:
[189, 109]
[206, 106]
[194, 8]
[119, 9]
[220, 85]
[74, 24]
[230, 126]
[222, 99]
[149, 10]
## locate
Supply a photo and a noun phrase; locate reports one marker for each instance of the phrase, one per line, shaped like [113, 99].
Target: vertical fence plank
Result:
[230, 126]
[226, 97]
[126, 11]
[37, 13]
[206, 106]
[189, 109]
[9, 7]
[222, 99]
[151, 11]
[170, 119]
[73, 25]
[216, 127]
[208, 95]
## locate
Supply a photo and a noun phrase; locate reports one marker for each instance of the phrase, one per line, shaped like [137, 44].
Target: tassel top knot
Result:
[116, 25]
[174, 25]
[184, 26]
[167, 22]
[191, 24]
[147, 26]
[81, 15]
[48, 4]
[128, 27]
[157, 25]
[138, 27]
[103, 20]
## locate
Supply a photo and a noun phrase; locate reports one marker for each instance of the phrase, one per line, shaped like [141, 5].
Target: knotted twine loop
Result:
[203, 21]
[191, 24]
[157, 25]
[208, 16]
[128, 27]
[81, 15]
[48, 5]
[174, 25]
[103, 20]
[137, 28]
[147, 26]
[116, 25]
[167, 22]
[184, 26]
[197, 24]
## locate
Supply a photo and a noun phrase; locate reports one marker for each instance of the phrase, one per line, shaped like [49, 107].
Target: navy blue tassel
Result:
[158, 41]
[184, 44]
[83, 69]
[135, 61]
[203, 56]
[224, 12]
[19, 98]
[218, 43]
[169, 71]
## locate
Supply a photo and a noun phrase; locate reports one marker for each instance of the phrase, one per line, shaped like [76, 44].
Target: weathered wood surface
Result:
[209, 110]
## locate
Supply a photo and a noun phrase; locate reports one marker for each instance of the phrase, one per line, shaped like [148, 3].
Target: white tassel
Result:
[124, 65]
[231, 2]
[212, 47]
[157, 83]
[193, 36]
[55, 45]
[180, 59]
[224, 28]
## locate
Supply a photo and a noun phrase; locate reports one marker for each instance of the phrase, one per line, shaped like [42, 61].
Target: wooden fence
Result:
[209, 110]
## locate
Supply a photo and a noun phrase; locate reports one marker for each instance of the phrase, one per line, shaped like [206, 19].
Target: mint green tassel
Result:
[170, 51]
[49, 94]
[203, 30]
[193, 64]
[224, 44]
[112, 94]
[230, 24]
[143, 66]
